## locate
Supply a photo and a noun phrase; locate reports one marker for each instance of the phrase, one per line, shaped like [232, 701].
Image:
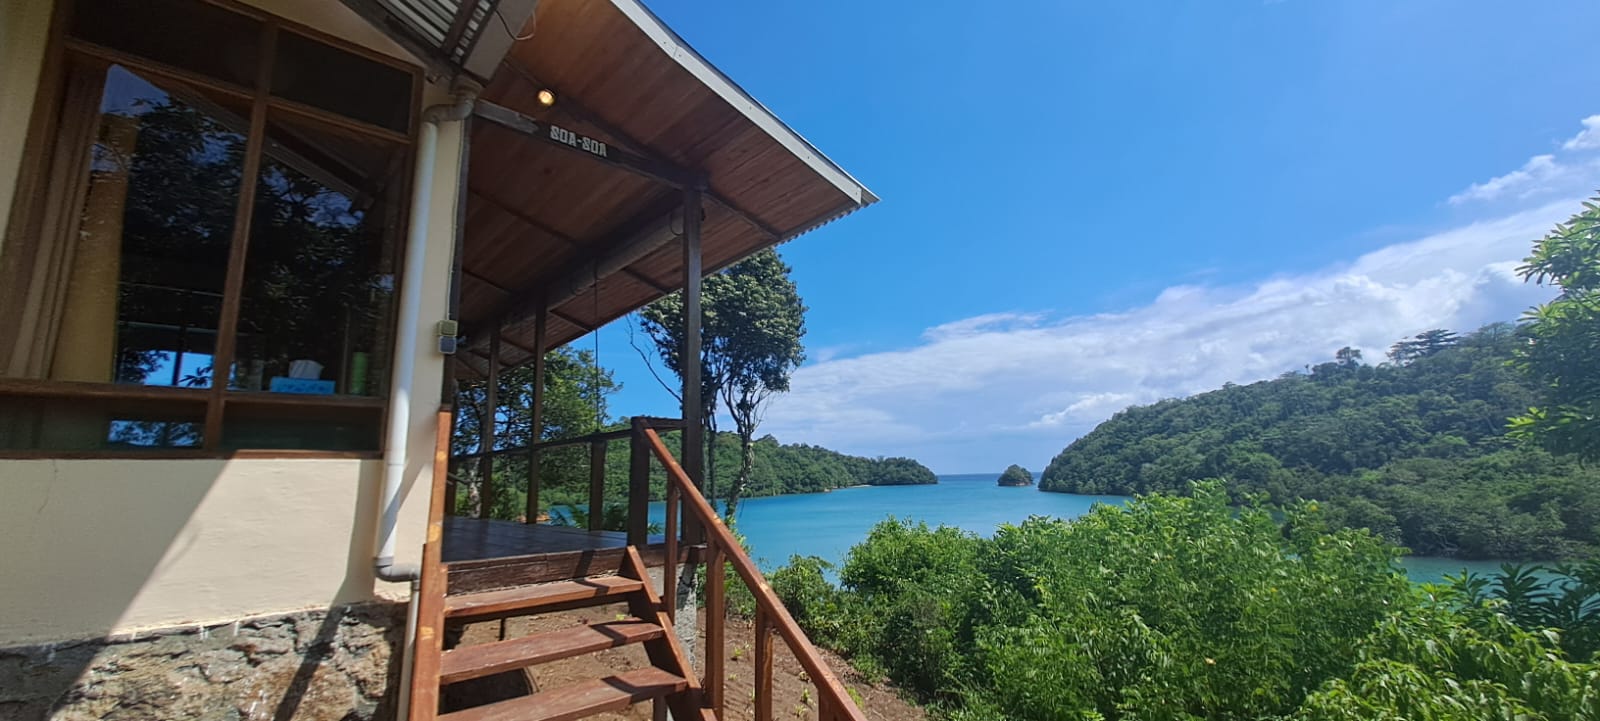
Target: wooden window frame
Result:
[29, 206]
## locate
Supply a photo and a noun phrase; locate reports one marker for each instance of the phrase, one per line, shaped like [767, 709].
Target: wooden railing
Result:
[427, 647]
[721, 548]
[598, 443]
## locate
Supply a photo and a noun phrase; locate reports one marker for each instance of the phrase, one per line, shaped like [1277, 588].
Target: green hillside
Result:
[779, 469]
[1413, 449]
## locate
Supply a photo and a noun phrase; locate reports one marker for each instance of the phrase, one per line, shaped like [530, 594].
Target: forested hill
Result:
[1413, 449]
[778, 469]
[800, 468]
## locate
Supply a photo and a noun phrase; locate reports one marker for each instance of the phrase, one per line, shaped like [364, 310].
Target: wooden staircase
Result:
[667, 680]
[451, 595]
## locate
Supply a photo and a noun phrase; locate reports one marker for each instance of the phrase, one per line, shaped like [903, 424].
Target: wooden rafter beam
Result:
[578, 110]
[481, 279]
[598, 150]
[585, 327]
[744, 215]
[652, 230]
[572, 106]
[572, 242]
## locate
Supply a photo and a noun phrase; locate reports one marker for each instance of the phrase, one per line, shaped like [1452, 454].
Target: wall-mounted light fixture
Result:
[546, 97]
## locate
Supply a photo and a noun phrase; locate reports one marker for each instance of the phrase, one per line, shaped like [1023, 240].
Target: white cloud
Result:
[1534, 176]
[1588, 138]
[978, 393]
[1543, 175]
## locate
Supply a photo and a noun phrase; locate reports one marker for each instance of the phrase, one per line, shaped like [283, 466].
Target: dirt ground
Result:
[794, 696]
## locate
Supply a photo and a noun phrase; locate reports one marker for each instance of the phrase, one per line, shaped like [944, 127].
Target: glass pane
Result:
[320, 276]
[195, 36]
[269, 426]
[96, 425]
[310, 72]
[151, 254]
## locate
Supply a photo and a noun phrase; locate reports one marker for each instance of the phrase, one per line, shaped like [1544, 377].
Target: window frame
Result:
[32, 204]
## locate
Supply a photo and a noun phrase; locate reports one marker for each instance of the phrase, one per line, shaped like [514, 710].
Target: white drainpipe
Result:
[394, 447]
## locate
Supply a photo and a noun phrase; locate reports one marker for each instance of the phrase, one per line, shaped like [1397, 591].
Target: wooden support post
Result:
[487, 427]
[597, 486]
[639, 487]
[694, 463]
[716, 626]
[763, 661]
[536, 421]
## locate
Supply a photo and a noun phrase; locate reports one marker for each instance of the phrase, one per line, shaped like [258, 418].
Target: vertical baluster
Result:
[597, 486]
[669, 571]
[763, 661]
[536, 413]
[532, 510]
[638, 485]
[488, 428]
[716, 620]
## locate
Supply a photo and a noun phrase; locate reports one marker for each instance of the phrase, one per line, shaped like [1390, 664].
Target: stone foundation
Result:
[327, 665]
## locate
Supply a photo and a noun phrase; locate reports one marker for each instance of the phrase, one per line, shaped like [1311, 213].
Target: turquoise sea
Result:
[828, 524]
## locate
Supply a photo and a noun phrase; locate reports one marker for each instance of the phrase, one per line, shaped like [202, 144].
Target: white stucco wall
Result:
[97, 547]
[24, 28]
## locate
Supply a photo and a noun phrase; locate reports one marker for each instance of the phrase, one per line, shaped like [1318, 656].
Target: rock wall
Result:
[327, 665]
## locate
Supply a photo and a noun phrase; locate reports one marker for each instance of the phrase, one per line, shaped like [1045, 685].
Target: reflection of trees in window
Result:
[319, 278]
[182, 190]
[155, 434]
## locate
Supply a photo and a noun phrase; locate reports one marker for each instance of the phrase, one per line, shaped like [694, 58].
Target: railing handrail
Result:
[668, 424]
[717, 534]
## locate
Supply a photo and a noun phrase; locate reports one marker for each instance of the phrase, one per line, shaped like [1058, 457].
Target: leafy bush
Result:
[1435, 663]
[1169, 608]
[1564, 599]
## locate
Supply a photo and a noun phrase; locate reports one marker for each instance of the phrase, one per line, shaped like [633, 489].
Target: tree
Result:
[574, 400]
[1424, 344]
[1347, 357]
[1016, 475]
[750, 341]
[1415, 452]
[1563, 340]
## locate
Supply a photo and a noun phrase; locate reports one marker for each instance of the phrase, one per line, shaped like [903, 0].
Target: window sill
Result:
[178, 454]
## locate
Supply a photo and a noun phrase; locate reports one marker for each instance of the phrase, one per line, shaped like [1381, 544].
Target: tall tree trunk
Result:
[747, 459]
[709, 483]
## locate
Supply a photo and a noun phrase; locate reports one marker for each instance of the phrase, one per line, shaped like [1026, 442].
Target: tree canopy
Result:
[1016, 475]
[1564, 340]
[1192, 609]
[752, 324]
[1415, 451]
[576, 390]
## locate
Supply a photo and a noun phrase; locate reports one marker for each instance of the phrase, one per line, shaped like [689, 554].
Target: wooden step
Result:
[469, 662]
[579, 700]
[564, 594]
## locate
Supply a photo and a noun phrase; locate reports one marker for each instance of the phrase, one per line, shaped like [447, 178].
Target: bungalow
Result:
[248, 250]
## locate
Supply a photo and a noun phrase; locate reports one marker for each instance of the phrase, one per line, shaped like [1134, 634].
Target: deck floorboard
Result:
[471, 539]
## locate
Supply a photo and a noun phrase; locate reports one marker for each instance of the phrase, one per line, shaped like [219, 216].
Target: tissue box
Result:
[281, 384]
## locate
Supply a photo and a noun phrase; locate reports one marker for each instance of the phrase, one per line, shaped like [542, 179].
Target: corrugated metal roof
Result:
[470, 35]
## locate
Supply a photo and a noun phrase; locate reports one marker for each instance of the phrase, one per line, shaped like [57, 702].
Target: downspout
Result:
[394, 448]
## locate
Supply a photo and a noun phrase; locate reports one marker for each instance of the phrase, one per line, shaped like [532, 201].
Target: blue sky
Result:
[1093, 204]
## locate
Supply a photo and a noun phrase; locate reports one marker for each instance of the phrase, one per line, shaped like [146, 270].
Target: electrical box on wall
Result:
[448, 332]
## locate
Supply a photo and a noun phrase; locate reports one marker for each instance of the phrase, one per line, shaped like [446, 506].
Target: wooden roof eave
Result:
[762, 184]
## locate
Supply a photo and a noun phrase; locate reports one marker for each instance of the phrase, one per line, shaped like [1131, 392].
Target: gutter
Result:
[410, 317]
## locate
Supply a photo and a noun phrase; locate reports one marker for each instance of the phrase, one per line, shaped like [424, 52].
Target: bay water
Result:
[828, 524]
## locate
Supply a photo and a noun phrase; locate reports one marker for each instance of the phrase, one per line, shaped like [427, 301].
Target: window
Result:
[214, 261]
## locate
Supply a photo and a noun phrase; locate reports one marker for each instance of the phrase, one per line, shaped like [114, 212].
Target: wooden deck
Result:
[474, 539]
[482, 555]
